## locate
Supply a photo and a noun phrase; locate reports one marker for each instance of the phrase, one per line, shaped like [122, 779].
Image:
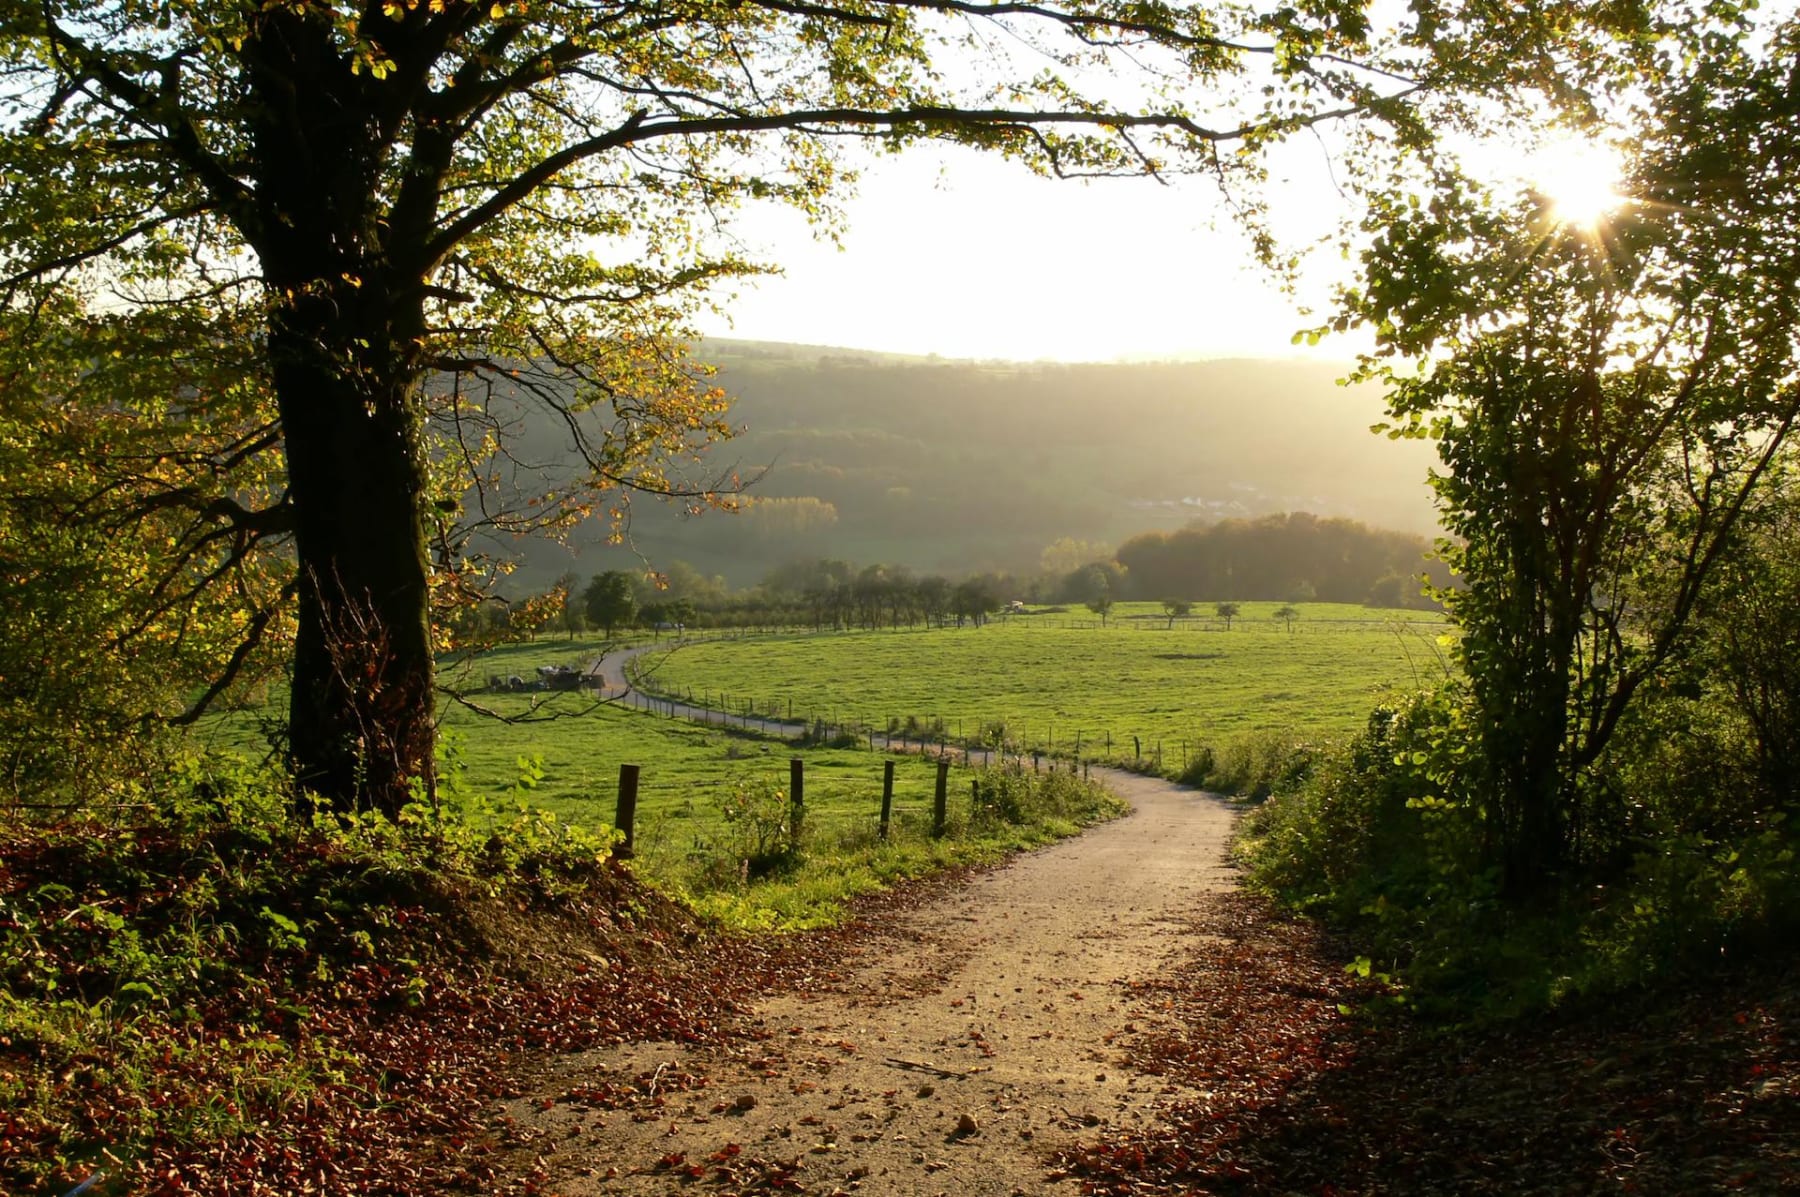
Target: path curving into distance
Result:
[955, 1049]
[612, 682]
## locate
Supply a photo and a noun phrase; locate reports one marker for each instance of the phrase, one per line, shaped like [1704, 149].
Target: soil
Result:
[957, 1049]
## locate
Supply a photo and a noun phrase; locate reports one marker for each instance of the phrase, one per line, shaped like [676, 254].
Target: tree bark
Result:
[345, 329]
[361, 707]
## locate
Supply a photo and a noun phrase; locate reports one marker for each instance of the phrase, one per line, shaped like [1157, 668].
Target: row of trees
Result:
[823, 593]
[819, 594]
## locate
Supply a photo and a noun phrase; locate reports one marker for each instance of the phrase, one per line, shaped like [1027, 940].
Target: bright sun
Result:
[1580, 179]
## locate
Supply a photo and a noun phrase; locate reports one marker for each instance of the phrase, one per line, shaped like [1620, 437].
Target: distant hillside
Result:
[955, 466]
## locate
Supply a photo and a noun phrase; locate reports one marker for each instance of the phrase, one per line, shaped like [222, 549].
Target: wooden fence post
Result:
[887, 795]
[796, 799]
[1137, 749]
[625, 814]
[940, 806]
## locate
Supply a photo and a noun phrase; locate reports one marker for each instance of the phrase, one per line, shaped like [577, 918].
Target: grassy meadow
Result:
[1050, 677]
[561, 753]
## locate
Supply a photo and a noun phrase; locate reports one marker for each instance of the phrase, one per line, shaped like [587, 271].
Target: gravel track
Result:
[953, 1051]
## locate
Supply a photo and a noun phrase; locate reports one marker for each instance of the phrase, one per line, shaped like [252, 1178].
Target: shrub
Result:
[764, 826]
[1253, 766]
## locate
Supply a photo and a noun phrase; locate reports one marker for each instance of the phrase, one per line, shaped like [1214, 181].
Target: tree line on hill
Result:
[1298, 557]
[961, 467]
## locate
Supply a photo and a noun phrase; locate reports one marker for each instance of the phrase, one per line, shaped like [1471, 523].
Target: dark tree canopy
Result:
[609, 601]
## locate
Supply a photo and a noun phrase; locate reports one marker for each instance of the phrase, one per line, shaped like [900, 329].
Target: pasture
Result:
[1051, 678]
[1047, 678]
[561, 753]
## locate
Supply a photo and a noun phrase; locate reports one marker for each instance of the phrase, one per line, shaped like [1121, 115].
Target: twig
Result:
[917, 1066]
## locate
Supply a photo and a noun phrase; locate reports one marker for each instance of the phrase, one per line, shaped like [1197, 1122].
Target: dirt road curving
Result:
[953, 1052]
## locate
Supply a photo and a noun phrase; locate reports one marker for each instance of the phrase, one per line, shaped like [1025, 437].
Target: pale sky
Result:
[955, 253]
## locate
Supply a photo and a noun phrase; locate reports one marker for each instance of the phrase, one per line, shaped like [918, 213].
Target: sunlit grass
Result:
[1052, 678]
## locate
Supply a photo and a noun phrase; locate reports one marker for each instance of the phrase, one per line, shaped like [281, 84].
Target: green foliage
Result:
[1607, 401]
[761, 824]
[108, 625]
[1005, 809]
[1253, 765]
[1387, 839]
[160, 974]
[608, 601]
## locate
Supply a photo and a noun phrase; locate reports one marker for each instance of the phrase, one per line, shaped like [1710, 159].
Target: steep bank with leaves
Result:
[204, 996]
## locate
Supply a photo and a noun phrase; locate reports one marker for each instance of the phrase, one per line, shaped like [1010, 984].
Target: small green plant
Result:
[764, 828]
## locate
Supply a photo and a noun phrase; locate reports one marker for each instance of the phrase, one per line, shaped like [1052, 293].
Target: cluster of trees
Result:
[1296, 556]
[1614, 403]
[278, 283]
[820, 594]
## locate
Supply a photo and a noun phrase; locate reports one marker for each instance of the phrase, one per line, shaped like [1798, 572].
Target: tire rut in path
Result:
[1007, 1001]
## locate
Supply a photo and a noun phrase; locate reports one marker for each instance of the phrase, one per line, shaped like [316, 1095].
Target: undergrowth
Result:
[213, 975]
[769, 873]
[1683, 865]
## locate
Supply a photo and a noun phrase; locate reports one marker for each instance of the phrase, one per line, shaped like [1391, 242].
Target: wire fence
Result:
[972, 742]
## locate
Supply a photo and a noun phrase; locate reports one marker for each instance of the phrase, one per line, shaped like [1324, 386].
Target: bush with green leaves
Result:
[1254, 765]
[1683, 859]
[764, 828]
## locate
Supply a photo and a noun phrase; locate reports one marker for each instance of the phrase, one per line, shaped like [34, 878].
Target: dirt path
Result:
[952, 1054]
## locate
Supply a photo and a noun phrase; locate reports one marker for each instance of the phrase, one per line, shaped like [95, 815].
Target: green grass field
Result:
[562, 754]
[1052, 677]
[1048, 676]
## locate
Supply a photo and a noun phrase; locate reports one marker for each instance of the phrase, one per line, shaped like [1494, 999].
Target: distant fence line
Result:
[934, 735]
[1142, 623]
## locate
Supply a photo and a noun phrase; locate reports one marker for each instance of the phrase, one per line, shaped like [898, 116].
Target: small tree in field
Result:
[1176, 609]
[1101, 605]
[1287, 613]
[571, 614]
[609, 600]
[1227, 612]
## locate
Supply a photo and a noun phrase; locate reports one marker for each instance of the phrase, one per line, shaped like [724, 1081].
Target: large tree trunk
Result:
[345, 331]
[360, 717]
